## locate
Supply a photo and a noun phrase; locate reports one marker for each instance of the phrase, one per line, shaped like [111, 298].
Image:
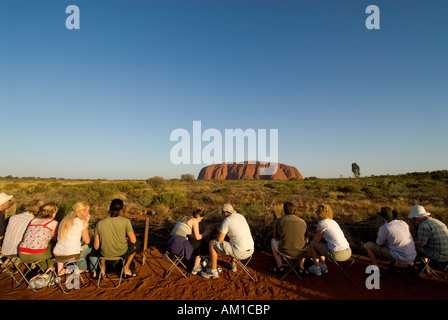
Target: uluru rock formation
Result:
[248, 171]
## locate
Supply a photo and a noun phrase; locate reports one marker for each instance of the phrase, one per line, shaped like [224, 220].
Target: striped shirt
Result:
[14, 232]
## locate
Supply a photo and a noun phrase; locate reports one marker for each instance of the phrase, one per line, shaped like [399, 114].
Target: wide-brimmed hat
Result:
[418, 212]
[228, 207]
[387, 213]
[4, 198]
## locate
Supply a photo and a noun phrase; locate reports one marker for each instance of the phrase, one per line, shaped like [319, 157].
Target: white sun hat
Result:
[418, 212]
[4, 198]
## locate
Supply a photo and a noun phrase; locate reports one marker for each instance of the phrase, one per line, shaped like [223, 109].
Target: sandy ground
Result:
[150, 290]
[151, 285]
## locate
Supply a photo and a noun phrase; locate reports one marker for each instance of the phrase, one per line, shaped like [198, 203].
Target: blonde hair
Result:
[324, 211]
[67, 222]
[47, 211]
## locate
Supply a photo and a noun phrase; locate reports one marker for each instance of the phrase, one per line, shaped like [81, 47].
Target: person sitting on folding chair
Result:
[186, 240]
[111, 240]
[290, 238]
[39, 237]
[432, 235]
[72, 230]
[394, 241]
[17, 225]
[329, 241]
[240, 244]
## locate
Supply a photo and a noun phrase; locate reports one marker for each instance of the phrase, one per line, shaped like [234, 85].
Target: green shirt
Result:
[291, 231]
[112, 232]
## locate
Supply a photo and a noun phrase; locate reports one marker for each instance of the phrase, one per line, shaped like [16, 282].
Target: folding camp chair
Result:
[8, 264]
[343, 271]
[404, 271]
[104, 262]
[243, 267]
[435, 264]
[292, 265]
[175, 261]
[27, 270]
[72, 277]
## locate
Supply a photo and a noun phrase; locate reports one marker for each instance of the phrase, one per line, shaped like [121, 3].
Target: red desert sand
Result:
[151, 285]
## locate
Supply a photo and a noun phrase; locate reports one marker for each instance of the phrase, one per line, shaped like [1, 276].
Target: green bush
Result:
[171, 199]
[145, 199]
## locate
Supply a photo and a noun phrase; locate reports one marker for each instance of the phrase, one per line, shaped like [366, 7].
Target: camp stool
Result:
[293, 263]
[175, 261]
[69, 282]
[9, 264]
[243, 267]
[436, 264]
[103, 262]
[28, 270]
[343, 271]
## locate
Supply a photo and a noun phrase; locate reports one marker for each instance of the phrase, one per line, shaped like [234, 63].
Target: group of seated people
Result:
[35, 236]
[292, 239]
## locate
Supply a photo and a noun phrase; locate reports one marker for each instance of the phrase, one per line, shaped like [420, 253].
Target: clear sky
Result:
[102, 101]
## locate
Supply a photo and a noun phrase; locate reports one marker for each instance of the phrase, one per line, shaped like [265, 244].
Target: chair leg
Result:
[292, 267]
[343, 271]
[76, 276]
[174, 265]
[438, 265]
[29, 267]
[7, 265]
[244, 268]
[101, 276]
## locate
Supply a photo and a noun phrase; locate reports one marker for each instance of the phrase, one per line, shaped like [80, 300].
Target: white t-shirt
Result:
[397, 237]
[333, 235]
[72, 242]
[236, 227]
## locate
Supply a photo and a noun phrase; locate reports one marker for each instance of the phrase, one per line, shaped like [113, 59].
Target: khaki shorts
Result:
[381, 252]
[225, 248]
[304, 254]
[322, 249]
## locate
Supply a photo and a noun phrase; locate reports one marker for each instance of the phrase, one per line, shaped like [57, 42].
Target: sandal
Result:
[303, 272]
[277, 270]
[130, 276]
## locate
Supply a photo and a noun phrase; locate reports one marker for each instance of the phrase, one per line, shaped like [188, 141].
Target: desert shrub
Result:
[348, 188]
[41, 187]
[187, 177]
[145, 199]
[11, 186]
[55, 185]
[156, 182]
[371, 190]
[224, 190]
[284, 187]
[251, 211]
[172, 199]
[161, 212]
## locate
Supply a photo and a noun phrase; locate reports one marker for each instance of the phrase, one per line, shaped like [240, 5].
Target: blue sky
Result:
[102, 101]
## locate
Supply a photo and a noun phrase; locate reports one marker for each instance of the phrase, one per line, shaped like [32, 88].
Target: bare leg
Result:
[128, 271]
[197, 261]
[370, 252]
[213, 256]
[277, 257]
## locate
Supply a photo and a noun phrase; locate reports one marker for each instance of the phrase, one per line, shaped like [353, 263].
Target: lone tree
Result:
[355, 170]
